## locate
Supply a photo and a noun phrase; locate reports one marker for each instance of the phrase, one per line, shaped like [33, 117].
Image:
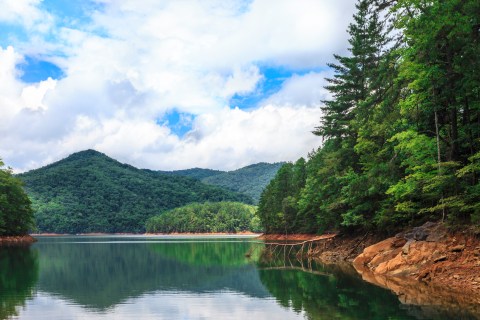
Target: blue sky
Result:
[165, 84]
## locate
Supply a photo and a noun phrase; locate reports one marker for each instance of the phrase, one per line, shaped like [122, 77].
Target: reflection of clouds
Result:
[163, 305]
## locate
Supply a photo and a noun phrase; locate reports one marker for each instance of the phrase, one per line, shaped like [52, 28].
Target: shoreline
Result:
[17, 240]
[243, 233]
[290, 237]
[423, 266]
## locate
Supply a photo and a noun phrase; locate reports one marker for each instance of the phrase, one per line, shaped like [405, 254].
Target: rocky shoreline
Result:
[17, 240]
[427, 266]
[429, 254]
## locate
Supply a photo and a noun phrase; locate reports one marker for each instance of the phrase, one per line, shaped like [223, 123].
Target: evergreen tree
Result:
[441, 68]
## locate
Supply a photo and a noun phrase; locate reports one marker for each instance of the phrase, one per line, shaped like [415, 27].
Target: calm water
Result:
[181, 278]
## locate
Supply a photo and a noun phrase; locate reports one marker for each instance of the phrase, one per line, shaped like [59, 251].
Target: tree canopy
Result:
[206, 217]
[16, 214]
[401, 134]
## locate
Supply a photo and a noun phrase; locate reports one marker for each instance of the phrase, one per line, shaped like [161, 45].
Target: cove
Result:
[184, 277]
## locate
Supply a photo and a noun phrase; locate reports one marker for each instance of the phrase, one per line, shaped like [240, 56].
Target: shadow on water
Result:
[100, 275]
[337, 292]
[18, 277]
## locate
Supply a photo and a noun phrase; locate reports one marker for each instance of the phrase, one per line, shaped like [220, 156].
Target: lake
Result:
[184, 277]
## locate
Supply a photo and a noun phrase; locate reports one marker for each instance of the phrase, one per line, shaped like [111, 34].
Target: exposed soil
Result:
[17, 240]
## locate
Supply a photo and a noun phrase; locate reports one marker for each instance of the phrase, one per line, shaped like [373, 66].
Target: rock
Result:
[457, 248]
[398, 242]
[406, 247]
[377, 253]
[456, 277]
[429, 230]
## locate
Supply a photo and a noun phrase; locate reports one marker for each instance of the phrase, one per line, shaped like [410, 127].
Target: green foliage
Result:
[250, 180]
[402, 131]
[278, 203]
[16, 214]
[196, 173]
[89, 192]
[206, 217]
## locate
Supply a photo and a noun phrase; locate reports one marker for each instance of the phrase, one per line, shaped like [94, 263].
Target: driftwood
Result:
[308, 244]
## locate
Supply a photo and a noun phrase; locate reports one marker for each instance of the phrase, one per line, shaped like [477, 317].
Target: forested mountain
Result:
[90, 192]
[249, 180]
[196, 173]
[401, 134]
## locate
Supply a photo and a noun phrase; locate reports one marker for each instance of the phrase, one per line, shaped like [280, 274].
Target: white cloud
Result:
[25, 13]
[191, 56]
[232, 138]
[305, 89]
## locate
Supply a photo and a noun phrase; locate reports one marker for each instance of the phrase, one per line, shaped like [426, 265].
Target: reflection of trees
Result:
[326, 292]
[101, 275]
[207, 253]
[18, 276]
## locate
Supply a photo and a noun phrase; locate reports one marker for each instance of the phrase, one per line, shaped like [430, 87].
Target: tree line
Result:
[400, 135]
[16, 213]
[206, 217]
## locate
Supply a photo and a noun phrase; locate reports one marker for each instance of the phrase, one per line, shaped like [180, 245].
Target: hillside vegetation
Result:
[90, 192]
[16, 214]
[401, 132]
[229, 217]
[196, 173]
[249, 180]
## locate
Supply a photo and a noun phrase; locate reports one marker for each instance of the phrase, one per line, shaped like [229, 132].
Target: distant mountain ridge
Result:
[249, 180]
[196, 173]
[91, 192]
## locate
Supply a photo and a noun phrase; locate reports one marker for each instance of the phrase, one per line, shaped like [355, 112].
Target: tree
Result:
[16, 214]
[441, 68]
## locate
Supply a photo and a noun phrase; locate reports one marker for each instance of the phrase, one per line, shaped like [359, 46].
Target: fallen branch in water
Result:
[273, 246]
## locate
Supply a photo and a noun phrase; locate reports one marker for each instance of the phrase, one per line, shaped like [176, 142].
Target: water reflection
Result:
[427, 300]
[328, 292]
[164, 305]
[99, 275]
[337, 292]
[18, 276]
[178, 278]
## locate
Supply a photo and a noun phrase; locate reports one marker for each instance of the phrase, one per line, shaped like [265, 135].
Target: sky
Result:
[166, 84]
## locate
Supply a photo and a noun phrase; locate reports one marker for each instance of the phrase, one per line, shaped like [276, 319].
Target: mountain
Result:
[250, 180]
[196, 173]
[90, 192]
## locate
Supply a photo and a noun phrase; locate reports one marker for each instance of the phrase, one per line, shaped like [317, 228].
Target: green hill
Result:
[250, 180]
[196, 173]
[90, 192]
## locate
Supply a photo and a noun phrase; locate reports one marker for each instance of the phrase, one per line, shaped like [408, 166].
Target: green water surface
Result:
[180, 277]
